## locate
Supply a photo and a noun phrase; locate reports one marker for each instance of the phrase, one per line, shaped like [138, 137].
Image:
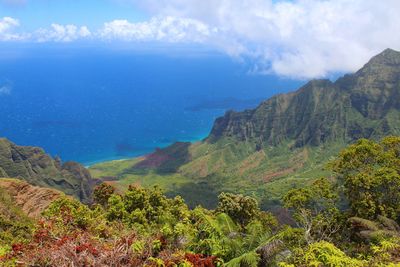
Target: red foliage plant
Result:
[16, 248]
[199, 260]
[87, 247]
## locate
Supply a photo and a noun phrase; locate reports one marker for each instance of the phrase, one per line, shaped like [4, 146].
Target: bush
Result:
[102, 193]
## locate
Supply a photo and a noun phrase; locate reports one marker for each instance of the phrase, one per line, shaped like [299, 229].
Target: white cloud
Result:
[55, 33]
[7, 25]
[296, 38]
[168, 29]
[301, 38]
[61, 33]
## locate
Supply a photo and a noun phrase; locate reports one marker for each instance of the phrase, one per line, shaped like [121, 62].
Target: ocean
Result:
[92, 104]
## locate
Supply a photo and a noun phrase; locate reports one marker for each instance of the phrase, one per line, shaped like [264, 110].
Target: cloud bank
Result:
[302, 38]
[61, 33]
[168, 29]
[298, 38]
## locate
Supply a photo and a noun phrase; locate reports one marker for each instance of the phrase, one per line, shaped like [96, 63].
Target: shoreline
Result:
[87, 165]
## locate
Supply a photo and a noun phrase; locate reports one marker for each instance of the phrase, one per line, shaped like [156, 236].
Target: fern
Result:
[256, 235]
[225, 224]
[249, 259]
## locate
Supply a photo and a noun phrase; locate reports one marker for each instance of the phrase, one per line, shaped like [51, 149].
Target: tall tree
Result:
[370, 173]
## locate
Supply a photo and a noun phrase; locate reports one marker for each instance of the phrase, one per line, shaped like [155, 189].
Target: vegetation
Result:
[369, 171]
[15, 226]
[266, 175]
[347, 220]
[282, 144]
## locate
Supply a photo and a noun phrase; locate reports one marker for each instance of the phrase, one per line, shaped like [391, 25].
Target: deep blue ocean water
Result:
[91, 105]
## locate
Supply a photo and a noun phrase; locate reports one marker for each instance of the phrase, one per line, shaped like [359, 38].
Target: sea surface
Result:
[95, 104]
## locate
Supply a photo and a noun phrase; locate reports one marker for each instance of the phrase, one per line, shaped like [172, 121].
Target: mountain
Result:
[283, 143]
[364, 104]
[33, 165]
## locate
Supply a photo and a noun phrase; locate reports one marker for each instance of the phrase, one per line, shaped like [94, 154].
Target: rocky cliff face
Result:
[363, 104]
[33, 165]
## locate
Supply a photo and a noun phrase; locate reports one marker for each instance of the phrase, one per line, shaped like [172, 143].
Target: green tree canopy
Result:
[242, 209]
[370, 173]
[314, 208]
[102, 193]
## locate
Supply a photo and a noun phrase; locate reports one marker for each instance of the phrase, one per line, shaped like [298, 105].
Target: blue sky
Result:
[291, 38]
[93, 13]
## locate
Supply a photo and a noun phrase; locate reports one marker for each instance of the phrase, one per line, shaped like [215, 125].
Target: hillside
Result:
[21, 204]
[32, 200]
[283, 143]
[33, 165]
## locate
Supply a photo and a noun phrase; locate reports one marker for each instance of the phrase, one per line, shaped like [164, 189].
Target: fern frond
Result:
[249, 259]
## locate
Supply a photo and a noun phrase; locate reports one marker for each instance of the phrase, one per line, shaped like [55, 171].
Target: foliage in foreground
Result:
[351, 220]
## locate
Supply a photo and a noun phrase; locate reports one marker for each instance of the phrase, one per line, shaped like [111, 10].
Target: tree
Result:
[370, 173]
[116, 208]
[315, 210]
[102, 193]
[147, 206]
[242, 209]
[151, 202]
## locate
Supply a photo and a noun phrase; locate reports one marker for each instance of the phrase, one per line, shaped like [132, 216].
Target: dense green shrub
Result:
[242, 209]
[370, 173]
[102, 193]
[142, 227]
[322, 254]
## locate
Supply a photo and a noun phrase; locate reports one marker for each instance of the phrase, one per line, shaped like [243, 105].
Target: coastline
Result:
[138, 154]
[90, 164]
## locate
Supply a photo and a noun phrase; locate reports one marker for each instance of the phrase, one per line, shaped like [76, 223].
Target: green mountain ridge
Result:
[283, 143]
[356, 105]
[33, 165]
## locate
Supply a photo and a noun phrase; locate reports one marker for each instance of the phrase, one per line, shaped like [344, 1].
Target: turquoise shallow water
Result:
[92, 105]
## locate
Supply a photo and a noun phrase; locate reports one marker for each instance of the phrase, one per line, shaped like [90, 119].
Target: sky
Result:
[297, 38]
